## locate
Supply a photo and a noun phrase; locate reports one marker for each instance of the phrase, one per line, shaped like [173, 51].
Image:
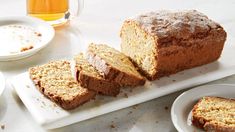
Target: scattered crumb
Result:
[166, 108]
[43, 103]
[38, 34]
[135, 106]
[130, 90]
[37, 99]
[125, 95]
[173, 80]
[54, 105]
[26, 48]
[2, 127]
[130, 112]
[27, 86]
[156, 121]
[112, 126]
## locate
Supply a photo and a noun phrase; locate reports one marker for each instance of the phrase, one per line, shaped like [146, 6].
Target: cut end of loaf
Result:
[140, 47]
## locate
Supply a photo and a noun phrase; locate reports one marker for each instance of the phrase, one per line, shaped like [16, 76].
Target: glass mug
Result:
[55, 12]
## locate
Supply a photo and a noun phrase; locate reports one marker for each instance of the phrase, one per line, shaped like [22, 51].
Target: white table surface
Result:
[98, 18]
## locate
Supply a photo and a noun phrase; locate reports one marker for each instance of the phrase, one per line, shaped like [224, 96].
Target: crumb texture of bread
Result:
[214, 114]
[114, 65]
[163, 42]
[56, 82]
[92, 79]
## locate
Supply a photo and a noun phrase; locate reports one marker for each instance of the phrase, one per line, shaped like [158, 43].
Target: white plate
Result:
[182, 106]
[51, 116]
[46, 30]
[2, 83]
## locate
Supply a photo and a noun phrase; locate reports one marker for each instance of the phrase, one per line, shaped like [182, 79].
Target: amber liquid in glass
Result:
[48, 10]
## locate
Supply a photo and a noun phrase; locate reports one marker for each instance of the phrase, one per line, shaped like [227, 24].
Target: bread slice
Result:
[90, 78]
[115, 65]
[56, 82]
[214, 114]
[164, 42]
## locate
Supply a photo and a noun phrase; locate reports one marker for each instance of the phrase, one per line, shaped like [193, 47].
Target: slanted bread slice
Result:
[90, 78]
[115, 65]
[56, 82]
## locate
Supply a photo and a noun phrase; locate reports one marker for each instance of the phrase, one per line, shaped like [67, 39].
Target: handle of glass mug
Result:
[79, 7]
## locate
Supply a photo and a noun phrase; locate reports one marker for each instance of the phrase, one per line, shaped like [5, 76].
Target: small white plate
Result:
[2, 83]
[182, 106]
[46, 31]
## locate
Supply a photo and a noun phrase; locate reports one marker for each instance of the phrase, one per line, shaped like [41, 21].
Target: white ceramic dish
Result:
[49, 115]
[2, 83]
[182, 106]
[46, 31]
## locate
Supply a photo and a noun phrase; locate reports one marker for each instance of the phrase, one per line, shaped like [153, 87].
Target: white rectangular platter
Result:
[50, 116]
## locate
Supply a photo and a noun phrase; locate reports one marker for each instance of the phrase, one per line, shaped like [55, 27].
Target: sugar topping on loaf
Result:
[180, 24]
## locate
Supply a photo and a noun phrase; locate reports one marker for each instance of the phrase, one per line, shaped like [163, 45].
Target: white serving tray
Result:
[50, 116]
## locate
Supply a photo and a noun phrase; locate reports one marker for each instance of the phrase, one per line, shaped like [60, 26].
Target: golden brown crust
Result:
[182, 40]
[112, 73]
[82, 95]
[206, 122]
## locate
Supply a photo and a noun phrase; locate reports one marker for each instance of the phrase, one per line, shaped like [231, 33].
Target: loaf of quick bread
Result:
[163, 42]
[214, 114]
[56, 82]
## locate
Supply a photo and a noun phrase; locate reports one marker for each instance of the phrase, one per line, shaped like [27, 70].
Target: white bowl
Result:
[182, 106]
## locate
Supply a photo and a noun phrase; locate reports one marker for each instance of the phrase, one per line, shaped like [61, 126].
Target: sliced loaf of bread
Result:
[214, 114]
[56, 82]
[90, 78]
[115, 65]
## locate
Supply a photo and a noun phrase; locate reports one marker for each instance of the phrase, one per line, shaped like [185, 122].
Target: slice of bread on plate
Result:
[214, 114]
[114, 65]
[90, 78]
[56, 82]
